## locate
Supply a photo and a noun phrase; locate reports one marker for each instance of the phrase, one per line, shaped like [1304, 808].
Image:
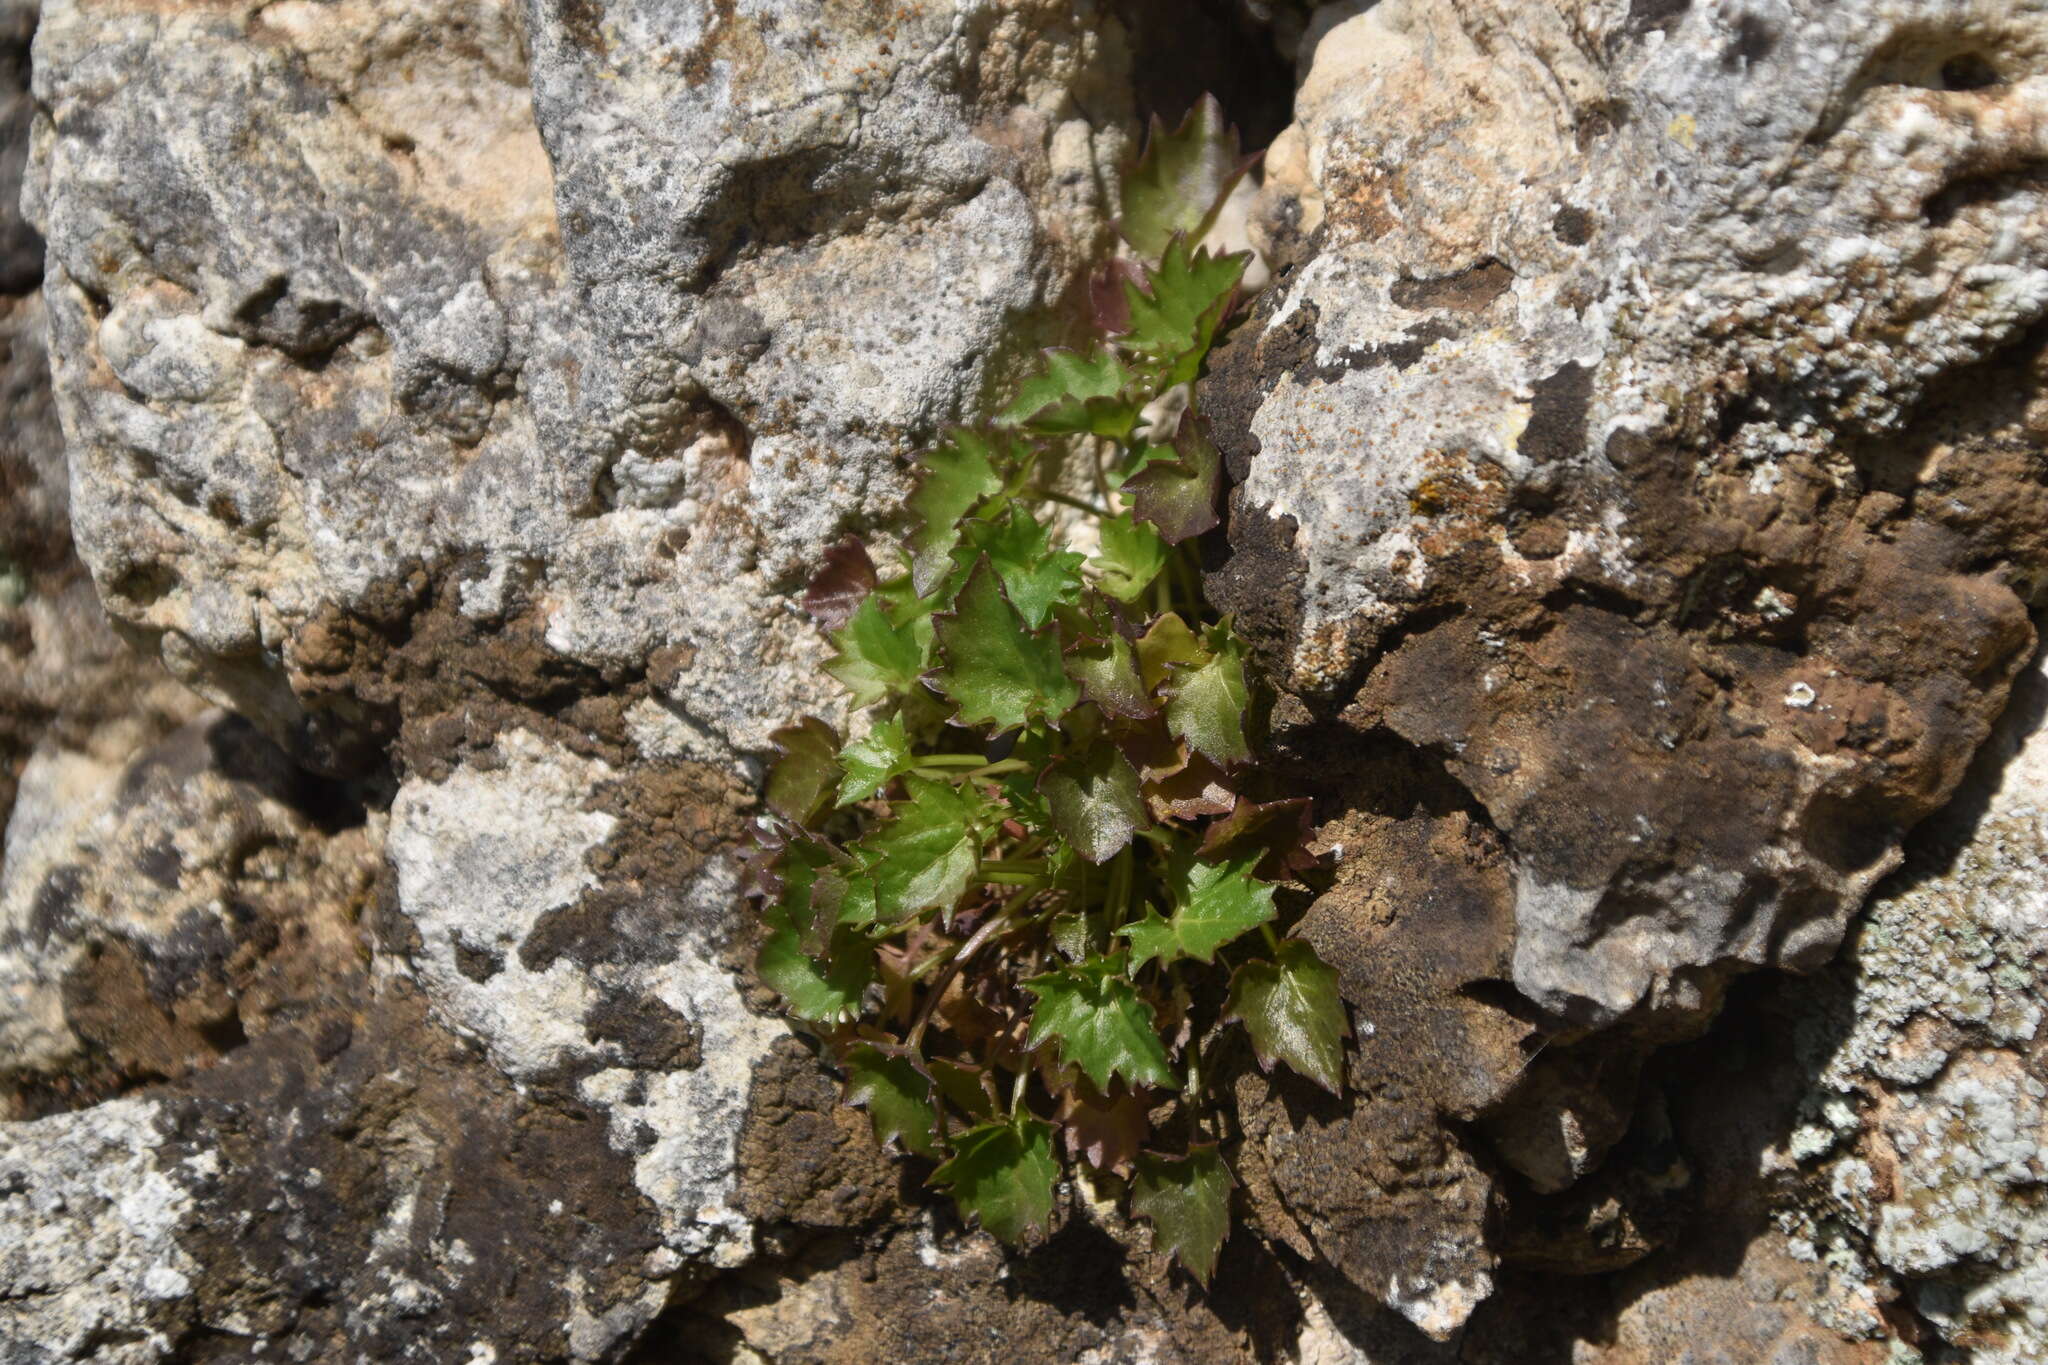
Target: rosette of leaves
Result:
[1024, 900]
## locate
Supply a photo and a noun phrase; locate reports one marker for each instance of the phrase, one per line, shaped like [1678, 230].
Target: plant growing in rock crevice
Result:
[1010, 906]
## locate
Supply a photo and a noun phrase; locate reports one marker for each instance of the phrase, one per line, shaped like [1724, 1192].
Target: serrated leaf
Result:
[1036, 576]
[926, 854]
[819, 993]
[1092, 794]
[845, 580]
[876, 656]
[1181, 180]
[1076, 393]
[1178, 496]
[998, 672]
[897, 1098]
[1107, 671]
[968, 1087]
[1130, 558]
[799, 866]
[953, 479]
[1187, 1200]
[1003, 1174]
[872, 761]
[1277, 833]
[1103, 1131]
[1213, 903]
[800, 782]
[1100, 1023]
[1292, 1008]
[1166, 643]
[1174, 318]
[1206, 700]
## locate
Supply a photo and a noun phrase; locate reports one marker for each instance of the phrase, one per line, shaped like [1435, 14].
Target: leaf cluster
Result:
[1027, 896]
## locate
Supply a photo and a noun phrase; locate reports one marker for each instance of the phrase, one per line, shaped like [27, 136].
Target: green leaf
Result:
[1107, 670]
[800, 783]
[1101, 1024]
[1294, 1013]
[1174, 319]
[1213, 903]
[1167, 642]
[1092, 793]
[821, 994]
[998, 672]
[1036, 576]
[817, 897]
[1003, 1173]
[1206, 700]
[1178, 496]
[1131, 557]
[968, 1087]
[1076, 393]
[876, 656]
[1181, 180]
[871, 761]
[926, 854]
[897, 1098]
[1187, 1200]
[953, 479]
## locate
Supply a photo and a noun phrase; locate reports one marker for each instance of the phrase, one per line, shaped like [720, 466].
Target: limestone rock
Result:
[1921, 1141]
[610, 316]
[1646, 431]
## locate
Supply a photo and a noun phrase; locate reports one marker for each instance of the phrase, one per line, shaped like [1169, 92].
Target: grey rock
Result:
[91, 1208]
[614, 315]
[1921, 1139]
[1598, 443]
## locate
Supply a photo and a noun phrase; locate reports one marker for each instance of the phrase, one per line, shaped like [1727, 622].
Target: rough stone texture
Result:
[1642, 431]
[155, 914]
[91, 1268]
[614, 314]
[1641, 501]
[1921, 1147]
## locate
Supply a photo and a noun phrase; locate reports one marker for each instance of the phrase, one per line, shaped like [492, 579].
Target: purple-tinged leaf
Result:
[1178, 496]
[1278, 832]
[846, 579]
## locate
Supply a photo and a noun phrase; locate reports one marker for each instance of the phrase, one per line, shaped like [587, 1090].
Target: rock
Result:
[157, 913]
[1646, 431]
[1921, 1136]
[91, 1266]
[1639, 502]
[605, 318]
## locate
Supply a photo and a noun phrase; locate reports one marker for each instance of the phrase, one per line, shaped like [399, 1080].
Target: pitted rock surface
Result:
[1645, 429]
[1641, 498]
[622, 312]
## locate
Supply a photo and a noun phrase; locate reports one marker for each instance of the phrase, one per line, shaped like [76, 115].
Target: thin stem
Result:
[951, 760]
[1014, 872]
[1272, 939]
[1066, 500]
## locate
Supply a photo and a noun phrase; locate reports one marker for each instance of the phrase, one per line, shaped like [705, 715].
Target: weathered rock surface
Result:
[1641, 502]
[607, 315]
[1642, 497]
[1644, 432]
